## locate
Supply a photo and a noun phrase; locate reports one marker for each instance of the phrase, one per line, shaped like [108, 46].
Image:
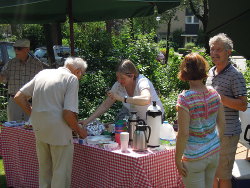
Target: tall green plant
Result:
[169, 104]
[247, 78]
[92, 92]
[141, 50]
[177, 39]
[167, 76]
[3, 103]
[34, 32]
[94, 43]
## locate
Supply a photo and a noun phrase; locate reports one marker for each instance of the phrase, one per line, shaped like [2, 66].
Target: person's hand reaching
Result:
[115, 96]
[83, 122]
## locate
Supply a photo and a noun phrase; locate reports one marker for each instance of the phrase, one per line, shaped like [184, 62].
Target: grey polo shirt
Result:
[231, 83]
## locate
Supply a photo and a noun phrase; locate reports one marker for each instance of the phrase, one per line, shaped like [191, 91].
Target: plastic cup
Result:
[117, 138]
[120, 126]
[124, 138]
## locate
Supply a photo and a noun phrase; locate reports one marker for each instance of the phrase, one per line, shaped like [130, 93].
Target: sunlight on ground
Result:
[2, 174]
[1, 167]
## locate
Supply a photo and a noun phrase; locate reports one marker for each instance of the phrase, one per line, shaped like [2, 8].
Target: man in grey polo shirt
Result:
[18, 72]
[231, 86]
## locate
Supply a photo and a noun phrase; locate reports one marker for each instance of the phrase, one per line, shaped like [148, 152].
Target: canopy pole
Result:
[71, 28]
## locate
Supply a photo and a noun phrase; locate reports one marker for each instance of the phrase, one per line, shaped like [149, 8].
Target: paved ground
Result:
[241, 152]
[240, 62]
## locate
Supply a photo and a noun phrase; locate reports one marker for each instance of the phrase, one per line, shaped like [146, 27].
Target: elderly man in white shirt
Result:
[54, 115]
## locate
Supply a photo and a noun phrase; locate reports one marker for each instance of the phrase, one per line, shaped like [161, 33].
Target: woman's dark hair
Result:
[193, 67]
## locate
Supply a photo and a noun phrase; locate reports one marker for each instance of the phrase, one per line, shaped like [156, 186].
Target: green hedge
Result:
[184, 50]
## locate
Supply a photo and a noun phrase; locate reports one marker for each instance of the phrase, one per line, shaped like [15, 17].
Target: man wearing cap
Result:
[17, 72]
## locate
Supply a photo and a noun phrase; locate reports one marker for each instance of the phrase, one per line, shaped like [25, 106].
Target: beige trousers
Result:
[201, 172]
[55, 165]
[227, 157]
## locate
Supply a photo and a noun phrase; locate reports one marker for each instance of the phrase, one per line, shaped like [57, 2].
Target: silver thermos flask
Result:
[141, 137]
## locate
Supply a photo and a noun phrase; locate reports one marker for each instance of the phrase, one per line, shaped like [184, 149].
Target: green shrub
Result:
[3, 103]
[103, 51]
[92, 92]
[189, 45]
[247, 78]
[35, 33]
[169, 104]
[184, 51]
[177, 39]
[162, 44]
[142, 51]
[200, 38]
[235, 53]
[163, 51]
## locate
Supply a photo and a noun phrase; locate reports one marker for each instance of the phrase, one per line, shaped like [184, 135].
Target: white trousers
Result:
[201, 172]
[55, 165]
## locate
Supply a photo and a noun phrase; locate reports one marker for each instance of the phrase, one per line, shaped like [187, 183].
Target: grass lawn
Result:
[2, 175]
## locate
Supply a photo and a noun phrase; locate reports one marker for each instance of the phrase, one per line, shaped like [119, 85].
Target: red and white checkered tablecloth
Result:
[19, 157]
[92, 167]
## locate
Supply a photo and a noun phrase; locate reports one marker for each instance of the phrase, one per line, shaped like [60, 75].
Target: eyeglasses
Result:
[18, 48]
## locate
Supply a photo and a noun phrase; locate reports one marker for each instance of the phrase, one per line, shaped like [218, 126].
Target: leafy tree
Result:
[103, 50]
[201, 11]
[92, 92]
[247, 78]
[177, 39]
[144, 25]
[168, 16]
[3, 103]
[35, 33]
[201, 38]
[94, 43]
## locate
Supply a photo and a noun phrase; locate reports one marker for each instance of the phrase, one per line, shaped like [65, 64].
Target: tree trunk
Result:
[167, 44]
[204, 19]
[49, 45]
[14, 30]
[207, 47]
[56, 33]
[132, 33]
[109, 26]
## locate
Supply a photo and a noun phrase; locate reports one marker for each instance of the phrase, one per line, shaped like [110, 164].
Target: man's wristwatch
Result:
[125, 99]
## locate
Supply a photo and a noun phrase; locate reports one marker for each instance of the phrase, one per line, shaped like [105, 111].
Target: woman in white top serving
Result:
[134, 90]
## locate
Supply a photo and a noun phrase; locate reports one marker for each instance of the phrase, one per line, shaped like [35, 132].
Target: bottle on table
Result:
[167, 134]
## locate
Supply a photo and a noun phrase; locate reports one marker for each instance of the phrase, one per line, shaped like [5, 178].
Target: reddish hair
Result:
[193, 67]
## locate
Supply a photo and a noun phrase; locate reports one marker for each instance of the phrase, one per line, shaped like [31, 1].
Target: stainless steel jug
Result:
[140, 139]
[132, 123]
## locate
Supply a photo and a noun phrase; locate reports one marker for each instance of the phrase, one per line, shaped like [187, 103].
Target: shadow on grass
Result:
[3, 181]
